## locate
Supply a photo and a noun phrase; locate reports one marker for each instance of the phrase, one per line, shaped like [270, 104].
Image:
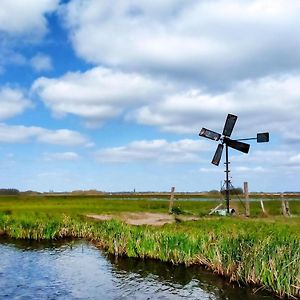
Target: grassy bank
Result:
[74, 205]
[252, 251]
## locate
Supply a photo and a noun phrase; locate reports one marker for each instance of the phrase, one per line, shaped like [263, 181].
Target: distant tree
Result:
[213, 192]
[237, 191]
[234, 191]
[9, 192]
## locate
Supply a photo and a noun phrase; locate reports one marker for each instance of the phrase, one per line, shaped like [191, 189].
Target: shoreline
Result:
[233, 257]
[263, 250]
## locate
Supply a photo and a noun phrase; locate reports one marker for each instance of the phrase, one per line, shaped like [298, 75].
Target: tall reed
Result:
[258, 253]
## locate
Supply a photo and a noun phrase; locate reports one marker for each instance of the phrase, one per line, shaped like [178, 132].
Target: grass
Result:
[99, 204]
[259, 251]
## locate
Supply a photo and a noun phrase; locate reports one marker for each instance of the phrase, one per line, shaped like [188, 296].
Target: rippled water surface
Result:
[78, 270]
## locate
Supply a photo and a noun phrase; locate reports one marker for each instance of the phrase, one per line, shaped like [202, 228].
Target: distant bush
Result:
[9, 192]
[234, 191]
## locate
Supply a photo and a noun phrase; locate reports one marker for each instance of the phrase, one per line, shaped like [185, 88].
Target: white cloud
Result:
[212, 169]
[62, 137]
[215, 41]
[295, 159]
[18, 134]
[267, 104]
[61, 156]
[98, 94]
[12, 102]
[25, 17]
[41, 62]
[281, 161]
[265, 156]
[21, 134]
[243, 169]
[181, 151]
[22, 23]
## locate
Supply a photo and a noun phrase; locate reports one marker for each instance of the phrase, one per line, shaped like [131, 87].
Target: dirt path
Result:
[144, 218]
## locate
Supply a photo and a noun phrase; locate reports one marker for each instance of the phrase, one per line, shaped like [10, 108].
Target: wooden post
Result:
[285, 206]
[246, 192]
[283, 209]
[171, 199]
[262, 207]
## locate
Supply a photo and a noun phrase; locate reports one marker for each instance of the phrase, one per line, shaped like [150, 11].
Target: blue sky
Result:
[112, 95]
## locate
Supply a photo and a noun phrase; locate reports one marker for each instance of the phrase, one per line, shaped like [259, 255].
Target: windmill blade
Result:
[243, 147]
[210, 134]
[218, 154]
[229, 124]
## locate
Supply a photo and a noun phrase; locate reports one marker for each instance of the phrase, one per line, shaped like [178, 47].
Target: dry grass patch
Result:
[144, 218]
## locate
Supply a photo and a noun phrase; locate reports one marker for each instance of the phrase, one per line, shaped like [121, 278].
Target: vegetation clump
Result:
[177, 210]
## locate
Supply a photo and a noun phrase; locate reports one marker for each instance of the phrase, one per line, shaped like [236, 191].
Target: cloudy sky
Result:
[111, 95]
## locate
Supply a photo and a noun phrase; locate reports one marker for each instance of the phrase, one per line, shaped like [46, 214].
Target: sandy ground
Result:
[144, 218]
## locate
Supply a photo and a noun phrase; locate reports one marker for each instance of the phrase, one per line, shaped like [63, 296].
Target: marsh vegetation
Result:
[260, 251]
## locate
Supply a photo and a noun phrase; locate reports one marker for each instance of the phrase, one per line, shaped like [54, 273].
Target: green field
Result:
[261, 250]
[74, 205]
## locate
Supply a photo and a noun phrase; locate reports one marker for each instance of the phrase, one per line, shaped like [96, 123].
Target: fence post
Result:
[246, 192]
[285, 206]
[171, 199]
[262, 207]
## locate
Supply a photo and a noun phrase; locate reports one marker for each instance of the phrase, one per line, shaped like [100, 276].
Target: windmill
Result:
[236, 144]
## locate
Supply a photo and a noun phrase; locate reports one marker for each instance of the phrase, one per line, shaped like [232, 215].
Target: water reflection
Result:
[78, 270]
[190, 282]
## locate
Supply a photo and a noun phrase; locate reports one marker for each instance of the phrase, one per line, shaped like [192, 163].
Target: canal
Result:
[78, 270]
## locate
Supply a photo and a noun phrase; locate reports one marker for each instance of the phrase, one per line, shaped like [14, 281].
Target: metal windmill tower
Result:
[232, 143]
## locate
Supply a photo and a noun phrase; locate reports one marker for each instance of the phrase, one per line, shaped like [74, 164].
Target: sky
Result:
[111, 95]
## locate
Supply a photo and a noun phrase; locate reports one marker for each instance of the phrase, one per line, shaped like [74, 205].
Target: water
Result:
[197, 199]
[78, 270]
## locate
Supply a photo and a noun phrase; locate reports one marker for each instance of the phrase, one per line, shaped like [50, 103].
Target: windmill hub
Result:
[236, 144]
